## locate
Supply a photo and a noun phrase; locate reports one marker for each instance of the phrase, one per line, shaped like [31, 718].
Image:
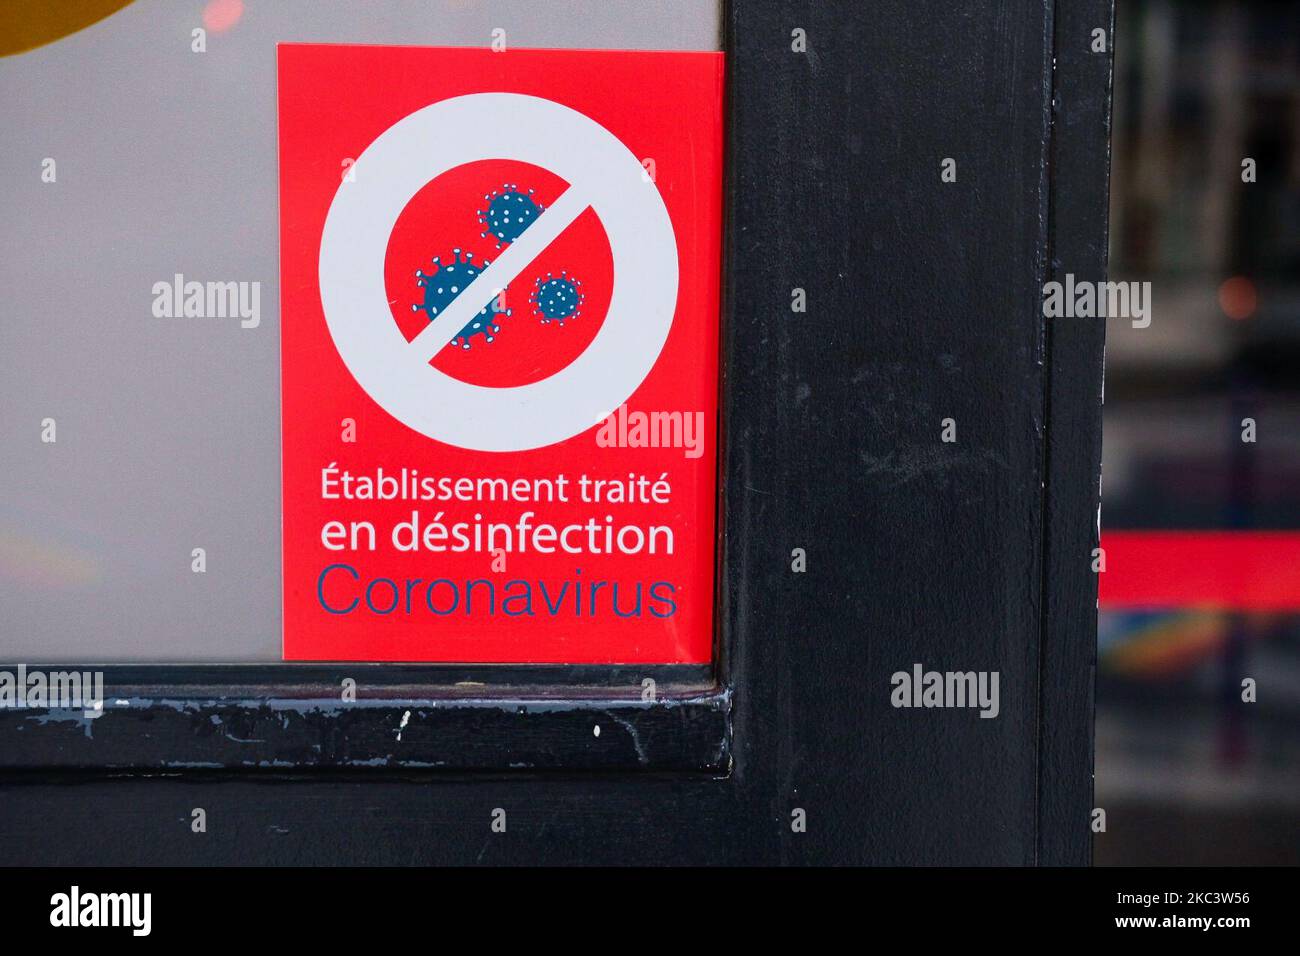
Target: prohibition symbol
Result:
[602, 174]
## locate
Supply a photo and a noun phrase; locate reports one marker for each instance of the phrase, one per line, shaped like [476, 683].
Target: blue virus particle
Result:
[446, 282]
[509, 212]
[557, 298]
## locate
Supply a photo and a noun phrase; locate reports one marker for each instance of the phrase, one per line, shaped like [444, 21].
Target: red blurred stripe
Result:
[1246, 570]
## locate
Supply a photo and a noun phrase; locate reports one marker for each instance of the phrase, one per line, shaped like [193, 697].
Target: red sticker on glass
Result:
[499, 301]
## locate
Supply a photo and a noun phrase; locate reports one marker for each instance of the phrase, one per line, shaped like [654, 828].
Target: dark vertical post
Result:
[923, 305]
[1080, 172]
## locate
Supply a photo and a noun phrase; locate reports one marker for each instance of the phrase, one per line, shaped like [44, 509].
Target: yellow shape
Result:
[27, 24]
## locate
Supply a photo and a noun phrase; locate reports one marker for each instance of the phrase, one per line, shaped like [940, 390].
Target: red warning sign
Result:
[499, 308]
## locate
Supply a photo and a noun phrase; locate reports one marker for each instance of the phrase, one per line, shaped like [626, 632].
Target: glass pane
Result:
[148, 158]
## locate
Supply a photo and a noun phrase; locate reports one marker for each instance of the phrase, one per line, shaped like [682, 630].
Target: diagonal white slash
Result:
[543, 230]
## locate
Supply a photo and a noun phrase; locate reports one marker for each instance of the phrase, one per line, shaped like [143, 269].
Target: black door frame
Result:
[924, 303]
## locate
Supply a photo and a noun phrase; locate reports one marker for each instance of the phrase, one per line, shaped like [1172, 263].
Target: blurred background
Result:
[1201, 528]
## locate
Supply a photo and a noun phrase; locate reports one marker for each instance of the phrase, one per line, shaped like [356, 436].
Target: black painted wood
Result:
[449, 717]
[924, 303]
[515, 729]
[1080, 179]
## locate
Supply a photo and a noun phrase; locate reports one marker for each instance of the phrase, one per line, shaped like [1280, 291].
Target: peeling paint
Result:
[73, 716]
[634, 733]
[213, 733]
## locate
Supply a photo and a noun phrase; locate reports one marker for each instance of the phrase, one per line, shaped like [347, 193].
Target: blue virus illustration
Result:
[446, 282]
[557, 298]
[508, 214]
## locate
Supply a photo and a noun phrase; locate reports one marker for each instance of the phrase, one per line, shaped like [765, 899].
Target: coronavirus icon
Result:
[508, 214]
[445, 283]
[557, 298]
